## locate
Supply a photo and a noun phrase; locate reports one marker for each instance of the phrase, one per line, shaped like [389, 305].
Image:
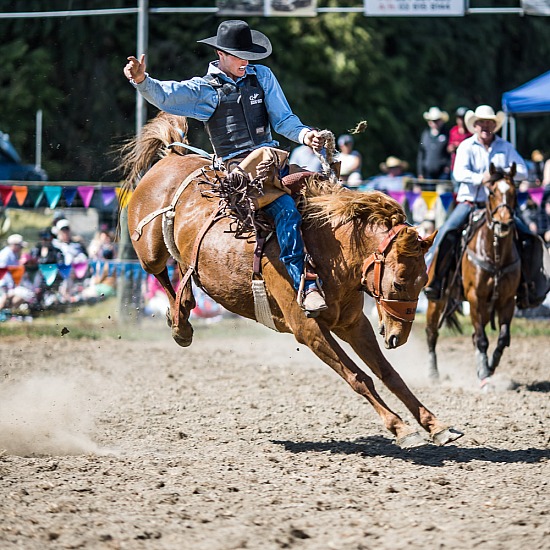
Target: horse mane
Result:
[334, 204]
[139, 154]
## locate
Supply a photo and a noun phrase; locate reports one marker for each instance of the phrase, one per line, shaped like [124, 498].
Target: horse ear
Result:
[427, 242]
[513, 169]
[492, 169]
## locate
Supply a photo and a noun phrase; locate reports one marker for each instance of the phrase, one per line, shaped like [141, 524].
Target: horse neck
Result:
[357, 245]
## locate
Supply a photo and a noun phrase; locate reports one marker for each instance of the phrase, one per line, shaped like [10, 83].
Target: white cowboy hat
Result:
[435, 113]
[393, 162]
[17, 239]
[484, 112]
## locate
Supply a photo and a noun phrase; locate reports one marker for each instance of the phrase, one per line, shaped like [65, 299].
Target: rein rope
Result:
[327, 159]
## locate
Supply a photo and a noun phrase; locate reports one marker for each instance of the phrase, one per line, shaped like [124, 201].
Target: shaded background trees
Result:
[336, 69]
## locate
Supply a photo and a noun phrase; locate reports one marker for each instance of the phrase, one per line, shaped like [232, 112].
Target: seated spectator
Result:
[350, 160]
[15, 292]
[304, 157]
[102, 246]
[73, 251]
[393, 176]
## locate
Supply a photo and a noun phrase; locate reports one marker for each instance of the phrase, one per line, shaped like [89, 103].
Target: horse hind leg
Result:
[182, 330]
[177, 314]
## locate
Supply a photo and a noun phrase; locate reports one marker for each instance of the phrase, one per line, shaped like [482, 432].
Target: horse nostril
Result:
[392, 342]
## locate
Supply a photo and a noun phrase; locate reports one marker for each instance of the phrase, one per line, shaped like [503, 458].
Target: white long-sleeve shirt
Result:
[473, 160]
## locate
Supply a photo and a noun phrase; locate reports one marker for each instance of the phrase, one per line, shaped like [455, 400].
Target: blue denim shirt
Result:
[197, 99]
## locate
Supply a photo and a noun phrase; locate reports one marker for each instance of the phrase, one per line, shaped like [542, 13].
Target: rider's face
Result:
[485, 128]
[232, 66]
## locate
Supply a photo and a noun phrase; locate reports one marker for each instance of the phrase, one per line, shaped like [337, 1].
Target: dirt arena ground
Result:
[246, 440]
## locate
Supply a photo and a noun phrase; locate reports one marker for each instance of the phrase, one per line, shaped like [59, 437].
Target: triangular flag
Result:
[430, 198]
[80, 269]
[69, 193]
[536, 194]
[53, 194]
[108, 195]
[6, 192]
[49, 272]
[17, 272]
[86, 193]
[21, 192]
[3, 271]
[446, 199]
[411, 197]
[399, 196]
[64, 270]
[123, 196]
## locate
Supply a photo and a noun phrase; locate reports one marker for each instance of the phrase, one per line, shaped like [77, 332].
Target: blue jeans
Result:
[287, 226]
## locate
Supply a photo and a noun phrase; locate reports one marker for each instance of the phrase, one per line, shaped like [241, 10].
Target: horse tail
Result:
[140, 153]
[452, 322]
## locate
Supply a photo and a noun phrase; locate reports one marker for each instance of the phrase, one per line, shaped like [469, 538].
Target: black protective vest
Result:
[240, 122]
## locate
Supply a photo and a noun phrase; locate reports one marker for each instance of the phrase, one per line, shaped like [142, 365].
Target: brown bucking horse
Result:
[489, 275]
[359, 242]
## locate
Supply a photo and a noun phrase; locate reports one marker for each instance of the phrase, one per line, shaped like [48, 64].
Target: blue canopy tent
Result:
[531, 98]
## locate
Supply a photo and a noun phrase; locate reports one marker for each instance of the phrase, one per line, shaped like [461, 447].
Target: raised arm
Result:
[135, 69]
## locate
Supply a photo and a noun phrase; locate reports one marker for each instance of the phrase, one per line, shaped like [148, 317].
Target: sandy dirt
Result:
[246, 440]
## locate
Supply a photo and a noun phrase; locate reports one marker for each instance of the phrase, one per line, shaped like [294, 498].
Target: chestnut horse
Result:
[359, 242]
[490, 271]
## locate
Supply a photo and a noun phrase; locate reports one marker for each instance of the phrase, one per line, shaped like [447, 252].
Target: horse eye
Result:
[398, 286]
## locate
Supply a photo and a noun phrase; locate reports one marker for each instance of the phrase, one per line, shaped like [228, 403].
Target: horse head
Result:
[397, 276]
[501, 201]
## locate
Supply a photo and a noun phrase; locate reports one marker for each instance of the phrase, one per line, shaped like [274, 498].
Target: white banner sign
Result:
[536, 7]
[414, 8]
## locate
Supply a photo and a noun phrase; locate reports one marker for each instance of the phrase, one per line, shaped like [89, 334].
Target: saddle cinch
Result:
[253, 183]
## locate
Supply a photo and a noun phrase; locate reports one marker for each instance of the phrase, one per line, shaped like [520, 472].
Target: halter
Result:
[404, 310]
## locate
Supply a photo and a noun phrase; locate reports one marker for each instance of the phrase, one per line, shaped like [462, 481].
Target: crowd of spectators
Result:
[60, 270]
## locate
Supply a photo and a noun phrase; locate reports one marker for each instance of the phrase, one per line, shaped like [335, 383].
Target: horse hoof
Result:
[433, 375]
[183, 341]
[446, 436]
[486, 385]
[410, 441]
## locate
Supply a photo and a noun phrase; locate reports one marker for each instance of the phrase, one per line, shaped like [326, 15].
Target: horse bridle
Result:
[500, 229]
[404, 310]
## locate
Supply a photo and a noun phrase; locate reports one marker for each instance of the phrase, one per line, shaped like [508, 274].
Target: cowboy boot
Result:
[313, 303]
[440, 267]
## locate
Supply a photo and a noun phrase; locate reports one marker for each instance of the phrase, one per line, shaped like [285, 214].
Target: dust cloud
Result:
[47, 415]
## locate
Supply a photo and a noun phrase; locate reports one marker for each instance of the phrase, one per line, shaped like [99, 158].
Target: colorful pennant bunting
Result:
[21, 192]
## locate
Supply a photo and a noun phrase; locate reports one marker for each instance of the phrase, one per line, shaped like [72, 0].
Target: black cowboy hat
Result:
[236, 38]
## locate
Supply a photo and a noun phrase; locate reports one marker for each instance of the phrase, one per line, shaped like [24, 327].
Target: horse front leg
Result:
[324, 345]
[360, 336]
[433, 316]
[505, 317]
